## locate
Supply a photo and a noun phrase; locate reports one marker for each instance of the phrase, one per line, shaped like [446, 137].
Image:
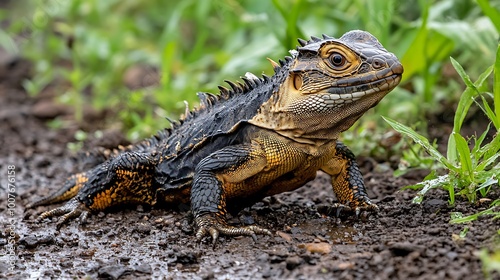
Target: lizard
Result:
[259, 137]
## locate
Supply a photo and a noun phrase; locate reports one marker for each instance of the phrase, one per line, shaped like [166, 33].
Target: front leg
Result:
[226, 167]
[347, 182]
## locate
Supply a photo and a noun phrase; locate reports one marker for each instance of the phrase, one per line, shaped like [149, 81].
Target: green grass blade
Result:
[460, 70]
[487, 183]
[479, 141]
[474, 217]
[465, 156]
[489, 112]
[466, 99]
[487, 162]
[491, 149]
[496, 86]
[422, 141]
[451, 151]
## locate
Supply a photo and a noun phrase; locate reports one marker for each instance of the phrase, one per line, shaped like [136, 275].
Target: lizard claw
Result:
[214, 226]
[72, 209]
[340, 208]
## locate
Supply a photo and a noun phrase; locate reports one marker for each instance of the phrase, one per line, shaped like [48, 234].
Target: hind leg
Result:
[75, 182]
[126, 179]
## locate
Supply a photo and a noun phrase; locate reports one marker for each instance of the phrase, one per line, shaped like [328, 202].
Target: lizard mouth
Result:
[352, 89]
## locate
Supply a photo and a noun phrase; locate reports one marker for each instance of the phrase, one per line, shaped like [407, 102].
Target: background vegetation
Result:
[87, 46]
[87, 51]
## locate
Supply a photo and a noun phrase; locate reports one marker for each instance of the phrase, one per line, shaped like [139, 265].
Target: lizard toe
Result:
[72, 209]
[213, 226]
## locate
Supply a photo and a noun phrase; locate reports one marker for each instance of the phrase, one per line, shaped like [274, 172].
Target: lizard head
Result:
[330, 83]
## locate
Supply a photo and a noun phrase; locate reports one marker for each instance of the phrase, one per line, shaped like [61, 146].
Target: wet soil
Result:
[402, 241]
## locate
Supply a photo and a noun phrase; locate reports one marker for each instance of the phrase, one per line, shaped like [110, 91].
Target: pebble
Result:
[293, 261]
[321, 247]
[288, 238]
[112, 271]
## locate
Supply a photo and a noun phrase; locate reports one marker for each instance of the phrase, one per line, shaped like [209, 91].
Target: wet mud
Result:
[402, 241]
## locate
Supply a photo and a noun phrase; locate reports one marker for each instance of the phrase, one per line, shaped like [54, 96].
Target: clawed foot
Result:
[212, 225]
[356, 209]
[72, 209]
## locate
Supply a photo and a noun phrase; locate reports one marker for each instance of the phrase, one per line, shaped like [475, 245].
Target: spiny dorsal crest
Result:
[247, 83]
[208, 100]
[313, 39]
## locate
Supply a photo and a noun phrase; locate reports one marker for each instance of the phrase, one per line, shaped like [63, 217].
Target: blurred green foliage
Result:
[85, 48]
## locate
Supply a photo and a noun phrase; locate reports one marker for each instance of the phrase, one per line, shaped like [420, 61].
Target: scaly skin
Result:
[262, 137]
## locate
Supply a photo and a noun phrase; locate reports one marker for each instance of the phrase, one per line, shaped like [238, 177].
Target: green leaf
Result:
[451, 151]
[489, 113]
[496, 86]
[490, 181]
[468, 95]
[463, 106]
[429, 185]
[463, 233]
[491, 12]
[456, 215]
[465, 157]
[422, 141]
[491, 149]
[460, 70]
[477, 144]
[487, 162]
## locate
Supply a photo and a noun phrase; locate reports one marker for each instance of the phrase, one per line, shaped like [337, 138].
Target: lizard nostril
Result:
[378, 63]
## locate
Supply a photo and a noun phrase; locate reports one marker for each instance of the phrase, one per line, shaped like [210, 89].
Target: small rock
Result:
[143, 268]
[434, 205]
[288, 238]
[264, 257]
[433, 231]
[321, 247]
[247, 220]
[309, 258]
[452, 255]
[125, 259]
[293, 261]
[143, 228]
[30, 241]
[112, 271]
[345, 265]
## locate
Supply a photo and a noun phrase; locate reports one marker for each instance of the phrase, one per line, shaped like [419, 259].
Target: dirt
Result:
[402, 241]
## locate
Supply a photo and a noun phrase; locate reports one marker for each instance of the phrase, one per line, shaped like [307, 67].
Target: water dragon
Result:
[259, 137]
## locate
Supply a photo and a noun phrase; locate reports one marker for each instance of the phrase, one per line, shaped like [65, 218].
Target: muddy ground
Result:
[403, 241]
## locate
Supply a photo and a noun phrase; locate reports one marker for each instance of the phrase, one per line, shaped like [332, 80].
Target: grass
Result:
[471, 170]
[87, 47]
[473, 167]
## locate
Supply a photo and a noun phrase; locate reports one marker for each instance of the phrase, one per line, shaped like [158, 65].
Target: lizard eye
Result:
[297, 81]
[337, 59]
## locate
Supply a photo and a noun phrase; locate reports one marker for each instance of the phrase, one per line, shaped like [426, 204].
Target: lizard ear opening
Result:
[297, 81]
